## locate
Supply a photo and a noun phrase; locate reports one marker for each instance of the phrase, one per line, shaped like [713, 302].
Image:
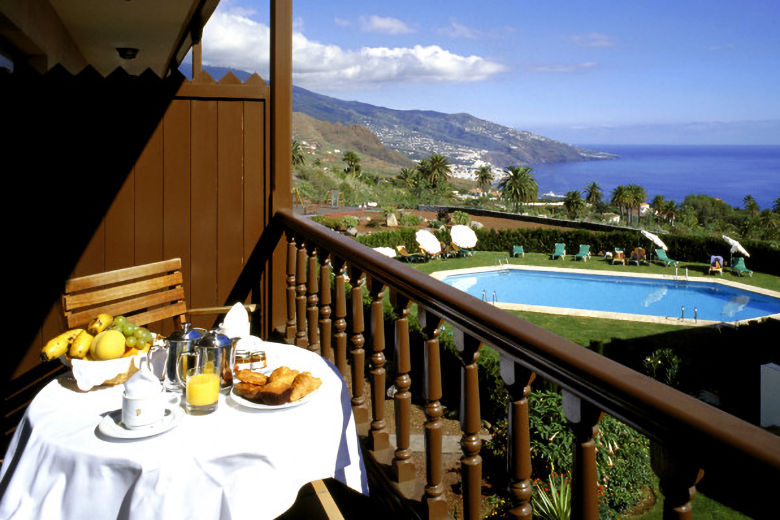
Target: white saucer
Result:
[111, 425]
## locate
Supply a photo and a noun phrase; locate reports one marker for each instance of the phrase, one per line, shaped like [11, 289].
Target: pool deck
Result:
[685, 322]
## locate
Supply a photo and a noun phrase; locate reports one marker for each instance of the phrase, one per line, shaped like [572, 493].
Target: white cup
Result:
[140, 412]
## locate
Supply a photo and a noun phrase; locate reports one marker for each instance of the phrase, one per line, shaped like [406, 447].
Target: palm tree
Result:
[408, 176]
[620, 198]
[636, 196]
[519, 185]
[574, 204]
[353, 163]
[776, 205]
[593, 193]
[297, 154]
[436, 169]
[751, 206]
[484, 178]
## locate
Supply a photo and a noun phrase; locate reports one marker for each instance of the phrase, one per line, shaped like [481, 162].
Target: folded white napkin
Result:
[94, 373]
[236, 323]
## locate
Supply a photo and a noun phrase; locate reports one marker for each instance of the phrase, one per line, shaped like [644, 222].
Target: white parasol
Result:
[387, 251]
[428, 241]
[655, 240]
[463, 236]
[736, 247]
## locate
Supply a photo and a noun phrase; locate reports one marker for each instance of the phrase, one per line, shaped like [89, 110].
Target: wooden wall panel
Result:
[230, 200]
[203, 190]
[119, 229]
[148, 199]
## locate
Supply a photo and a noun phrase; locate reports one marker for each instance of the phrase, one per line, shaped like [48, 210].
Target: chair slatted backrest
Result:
[144, 294]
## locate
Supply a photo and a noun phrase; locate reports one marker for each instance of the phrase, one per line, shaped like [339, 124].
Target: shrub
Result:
[408, 219]
[348, 221]
[461, 217]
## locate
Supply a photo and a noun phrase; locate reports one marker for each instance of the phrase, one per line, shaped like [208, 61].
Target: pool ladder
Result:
[502, 264]
[676, 277]
[695, 314]
[484, 296]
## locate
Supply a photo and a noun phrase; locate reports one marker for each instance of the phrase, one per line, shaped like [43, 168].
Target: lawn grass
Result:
[704, 508]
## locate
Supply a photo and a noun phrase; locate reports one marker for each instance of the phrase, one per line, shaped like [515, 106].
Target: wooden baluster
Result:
[300, 300]
[340, 323]
[583, 420]
[312, 299]
[403, 466]
[470, 462]
[325, 299]
[518, 380]
[379, 438]
[291, 256]
[434, 503]
[678, 478]
[357, 353]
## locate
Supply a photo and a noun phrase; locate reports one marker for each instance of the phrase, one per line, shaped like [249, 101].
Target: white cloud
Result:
[341, 22]
[457, 30]
[593, 39]
[384, 25]
[232, 40]
[574, 67]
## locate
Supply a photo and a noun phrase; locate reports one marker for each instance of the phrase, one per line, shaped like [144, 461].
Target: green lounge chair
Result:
[560, 251]
[740, 267]
[406, 256]
[518, 251]
[460, 251]
[583, 253]
[661, 255]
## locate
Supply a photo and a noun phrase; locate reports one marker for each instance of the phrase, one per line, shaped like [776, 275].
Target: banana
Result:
[99, 323]
[80, 345]
[58, 346]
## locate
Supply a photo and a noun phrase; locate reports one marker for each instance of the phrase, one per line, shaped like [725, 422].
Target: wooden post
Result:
[312, 299]
[340, 323]
[301, 339]
[678, 476]
[470, 462]
[357, 353]
[583, 420]
[434, 503]
[291, 256]
[325, 300]
[518, 380]
[403, 467]
[379, 438]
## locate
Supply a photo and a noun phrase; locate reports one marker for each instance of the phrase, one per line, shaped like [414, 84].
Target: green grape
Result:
[148, 336]
[128, 329]
[139, 332]
[119, 321]
[131, 341]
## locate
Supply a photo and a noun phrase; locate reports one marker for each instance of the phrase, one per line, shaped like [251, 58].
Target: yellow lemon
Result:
[108, 344]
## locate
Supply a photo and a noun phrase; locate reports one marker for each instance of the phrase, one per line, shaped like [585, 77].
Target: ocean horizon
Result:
[726, 172]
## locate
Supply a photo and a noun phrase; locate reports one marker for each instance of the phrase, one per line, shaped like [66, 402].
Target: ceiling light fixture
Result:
[127, 53]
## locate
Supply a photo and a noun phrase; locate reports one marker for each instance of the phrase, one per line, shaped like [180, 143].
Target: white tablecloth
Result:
[232, 464]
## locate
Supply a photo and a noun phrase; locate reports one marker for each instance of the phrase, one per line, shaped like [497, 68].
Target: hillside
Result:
[327, 142]
[465, 140]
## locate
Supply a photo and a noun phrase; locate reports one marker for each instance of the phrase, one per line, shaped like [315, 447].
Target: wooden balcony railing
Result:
[688, 437]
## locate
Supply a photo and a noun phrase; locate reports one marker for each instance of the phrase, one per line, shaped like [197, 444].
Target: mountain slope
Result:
[462, 138]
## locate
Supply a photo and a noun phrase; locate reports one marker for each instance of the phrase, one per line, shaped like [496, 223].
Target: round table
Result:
[235, 463]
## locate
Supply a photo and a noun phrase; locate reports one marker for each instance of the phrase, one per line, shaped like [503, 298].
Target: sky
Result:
[582, 71]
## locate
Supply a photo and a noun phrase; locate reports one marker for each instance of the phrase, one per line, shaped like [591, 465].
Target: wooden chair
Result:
[143, 294]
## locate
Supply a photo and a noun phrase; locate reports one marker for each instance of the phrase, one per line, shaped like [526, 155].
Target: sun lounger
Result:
[460, 251]
[716, 265]
[583, 253]
[406, 256]
[619, 256]
[637, 256]
[560, 251]
[740, 267]
[428, 255]
[518, 251]
[661, 255]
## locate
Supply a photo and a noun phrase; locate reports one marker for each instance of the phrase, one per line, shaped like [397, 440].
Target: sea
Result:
[728, 173]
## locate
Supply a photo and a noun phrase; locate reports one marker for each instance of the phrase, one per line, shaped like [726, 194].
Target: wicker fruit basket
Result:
[91, 374]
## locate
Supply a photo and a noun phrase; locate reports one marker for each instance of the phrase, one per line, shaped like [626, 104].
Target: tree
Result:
[620, 198]
[593, 194]
[574, 204]
[435, 169]
[297, 154]
[751, 206]
[519, 185]
[353, 163]
[409, 177]
[484, 178]
[776, 205]
[636, 196]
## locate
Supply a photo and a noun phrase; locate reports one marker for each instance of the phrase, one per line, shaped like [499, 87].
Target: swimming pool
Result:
[604, 295]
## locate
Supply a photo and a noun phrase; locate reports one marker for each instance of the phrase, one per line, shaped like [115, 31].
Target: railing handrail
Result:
[664, 414]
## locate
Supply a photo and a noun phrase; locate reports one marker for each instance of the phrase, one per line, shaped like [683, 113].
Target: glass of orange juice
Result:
[201, 389]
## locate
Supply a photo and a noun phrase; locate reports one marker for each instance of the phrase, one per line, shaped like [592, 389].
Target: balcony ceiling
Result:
[76, 33]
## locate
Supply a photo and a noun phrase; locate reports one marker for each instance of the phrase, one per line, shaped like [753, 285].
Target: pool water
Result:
[619, 294]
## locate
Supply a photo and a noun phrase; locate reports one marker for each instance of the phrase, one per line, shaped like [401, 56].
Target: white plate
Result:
[112, 426]
[259, 406]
